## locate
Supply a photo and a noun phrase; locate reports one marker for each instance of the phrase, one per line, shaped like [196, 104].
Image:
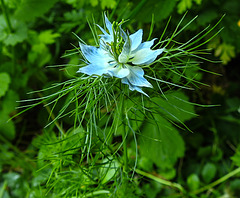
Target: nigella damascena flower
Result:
[120, 55]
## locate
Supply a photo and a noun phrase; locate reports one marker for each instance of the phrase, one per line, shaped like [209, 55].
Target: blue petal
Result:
[136, 78]
[93, 69]
[103, 31]
[100, 60]
[108, 25]
[154, 57]
[145, 56]
[119, 72]
[136, 39]
[132, 87]
[123, 34]
[143, 45]
[125, 54]
[94, 54]
[107, 38]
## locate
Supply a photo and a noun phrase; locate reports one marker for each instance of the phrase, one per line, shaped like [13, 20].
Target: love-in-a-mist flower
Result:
[120, 55]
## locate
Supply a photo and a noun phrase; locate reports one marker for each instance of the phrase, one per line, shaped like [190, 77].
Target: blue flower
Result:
[120, 55]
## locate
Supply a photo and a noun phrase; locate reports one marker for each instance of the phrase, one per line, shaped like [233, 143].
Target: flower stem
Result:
[124, 135]
[222, 179]
[125, 155]
[159, 180]
[5, 13]
[52, 116]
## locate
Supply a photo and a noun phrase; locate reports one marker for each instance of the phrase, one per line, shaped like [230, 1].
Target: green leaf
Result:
[9, 103]
[76, 3]
[28, 10]
[226, 52]
[217, 155]
[206, 17]
[48, 37]
[94, 2]
[17, 184]
[108, 4]
[145, 164]
[109, 169]
[20, 31]
[160, 9]
[40, 53]
[193, 182]
[167, 173]
[4, 83]
[151, 189]
[175, 107]
[198, 1]
[7, 128]
[209, 172]
[236, 157]
[184, 5]
[18, 36]
[161, 143]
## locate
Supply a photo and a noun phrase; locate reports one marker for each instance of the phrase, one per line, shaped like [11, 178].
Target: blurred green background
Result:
[35, 34]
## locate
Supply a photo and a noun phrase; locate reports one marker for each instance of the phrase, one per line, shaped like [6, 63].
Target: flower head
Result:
[120, 55]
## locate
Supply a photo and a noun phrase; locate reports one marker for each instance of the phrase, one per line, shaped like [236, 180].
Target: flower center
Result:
[115, 48]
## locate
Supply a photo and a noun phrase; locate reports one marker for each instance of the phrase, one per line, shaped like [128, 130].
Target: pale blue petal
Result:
[153, 58]
[145, 55]
[91, 53]
[94, 54]
[139, 90]
[125, 54]
[123, 34]
[132, 87]
[107, 38]
[103, 31]
[143, 45]
[93, 69]
[136, 39]
[100, 60]
[108, 25]
[136, 78]
[119, 72]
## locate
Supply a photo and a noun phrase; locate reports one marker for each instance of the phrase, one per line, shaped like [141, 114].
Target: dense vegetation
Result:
[189, 146]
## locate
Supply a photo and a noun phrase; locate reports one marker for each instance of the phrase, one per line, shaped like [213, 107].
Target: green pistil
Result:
[119, 47]
[116, 46]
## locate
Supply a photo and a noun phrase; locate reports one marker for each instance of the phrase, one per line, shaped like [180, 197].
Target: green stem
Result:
[5, 13]
[125, 155]
[219, 181]
[4, 186]
[124, 135]
[99, 192]
[159, 180]
[52, 116]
